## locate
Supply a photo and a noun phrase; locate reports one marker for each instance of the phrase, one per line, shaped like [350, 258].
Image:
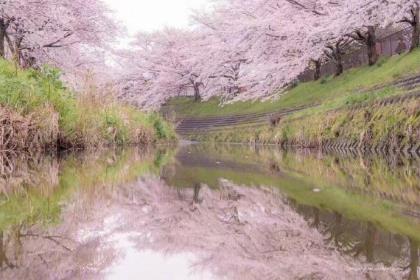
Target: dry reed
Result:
[36, 130]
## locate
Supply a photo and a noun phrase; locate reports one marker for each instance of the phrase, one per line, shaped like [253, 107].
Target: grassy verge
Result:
[38, 112]
[392, 127]
[333, 91]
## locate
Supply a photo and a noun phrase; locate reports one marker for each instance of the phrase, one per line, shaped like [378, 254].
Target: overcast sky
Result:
[150, 15]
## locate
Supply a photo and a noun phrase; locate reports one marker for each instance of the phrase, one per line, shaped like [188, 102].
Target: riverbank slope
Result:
[375, 107]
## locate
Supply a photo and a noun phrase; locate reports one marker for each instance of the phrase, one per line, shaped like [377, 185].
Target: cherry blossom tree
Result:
[276, 39]
[412, 17]
[335, 52]
[360, 20]
[165, 64]
[401, 11]
[367, 38]
[4, 26]
[251, 49]
[226, 68]
[54, 32]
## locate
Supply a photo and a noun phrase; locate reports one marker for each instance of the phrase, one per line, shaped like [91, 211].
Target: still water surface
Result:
[209, 212]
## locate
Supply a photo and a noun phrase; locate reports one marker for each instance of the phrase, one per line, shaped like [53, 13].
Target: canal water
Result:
[209, 211]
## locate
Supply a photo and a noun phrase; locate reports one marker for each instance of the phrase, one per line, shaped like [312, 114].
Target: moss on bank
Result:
[38, 112]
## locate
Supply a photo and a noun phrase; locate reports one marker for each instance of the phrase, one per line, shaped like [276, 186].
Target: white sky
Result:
[150, 15]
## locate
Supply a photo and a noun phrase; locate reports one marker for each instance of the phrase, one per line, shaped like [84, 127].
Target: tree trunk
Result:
[18, 51]
[2, 38]
[371, 46]
[197, 97]
[317, 74]
[2, 48]
[339, 64]
[415, 40]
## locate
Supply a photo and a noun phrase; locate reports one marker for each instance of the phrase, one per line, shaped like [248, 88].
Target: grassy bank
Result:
[392, 127]
[38, 112]
[345, 111]
[333, 91]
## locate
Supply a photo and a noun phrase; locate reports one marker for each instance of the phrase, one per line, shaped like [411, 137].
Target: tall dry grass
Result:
[36, 130]
[38, 112]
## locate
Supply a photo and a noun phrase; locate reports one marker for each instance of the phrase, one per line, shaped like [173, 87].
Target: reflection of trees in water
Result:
[364, 240]
[414, 260]
[243, 232]
[335, 230]
[392, 177]
[367, 245]
[249, 233]
[34, 194]
[196, 195]
[182, 195]
[336, 233]
[19, 172]
[31, 252]
[4, 261]
[168, 172]
[21, 246]
[22, 172]
[317, 219]
[275, 168]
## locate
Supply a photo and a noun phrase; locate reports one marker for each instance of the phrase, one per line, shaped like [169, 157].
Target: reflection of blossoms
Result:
[233, 232]
[36, 253]
[236, 232]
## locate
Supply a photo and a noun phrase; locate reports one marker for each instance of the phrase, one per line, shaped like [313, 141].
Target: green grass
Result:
[83, 119]
[331, 90]
[335, 118]
[395, 126]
